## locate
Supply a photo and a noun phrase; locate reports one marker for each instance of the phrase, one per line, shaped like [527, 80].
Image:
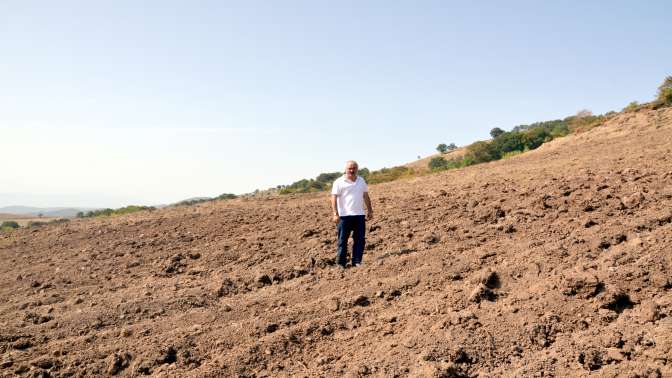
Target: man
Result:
[349, 194]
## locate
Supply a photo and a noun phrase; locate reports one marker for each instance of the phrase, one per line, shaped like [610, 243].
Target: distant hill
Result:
[52, 212]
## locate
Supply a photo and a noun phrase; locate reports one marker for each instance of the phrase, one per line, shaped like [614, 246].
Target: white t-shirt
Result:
[349, 195]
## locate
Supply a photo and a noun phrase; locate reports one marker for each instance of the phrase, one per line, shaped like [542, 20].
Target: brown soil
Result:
[552, 263]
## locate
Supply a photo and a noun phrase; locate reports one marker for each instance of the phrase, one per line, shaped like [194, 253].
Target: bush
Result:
[9, 224]
[580, 124]
[452, 147]
[226, 196]
[536, 137]
[665, 91]
[438, 163]
[98, 213]
[123, 210]
[329, 178]
[324, 181]
[131, 209]
[442, 148]
[559, 130]
[388, 174]
[508, 142]
[482, 152]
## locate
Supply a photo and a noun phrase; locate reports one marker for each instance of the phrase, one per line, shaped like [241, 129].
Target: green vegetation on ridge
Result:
[503, 145]
[109, 212]
[324, 181]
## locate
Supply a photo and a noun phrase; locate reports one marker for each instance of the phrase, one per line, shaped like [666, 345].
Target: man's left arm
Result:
[369, 209]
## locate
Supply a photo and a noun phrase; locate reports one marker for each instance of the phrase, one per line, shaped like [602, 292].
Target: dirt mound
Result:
[552, 263]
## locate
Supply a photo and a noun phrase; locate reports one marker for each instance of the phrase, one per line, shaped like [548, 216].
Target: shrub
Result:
[665, 91]
[438, 163]
[536, 137]
[9, 224]
[324, 181]
[634, 105]
[482, 152]
[329, 178]
[508, 142]
[123, 210]
[131, 209]
[452, 147]
[226, 196]
[388, 174]
[580, 124]
[559, 130]
[308, 186]
[442, 148]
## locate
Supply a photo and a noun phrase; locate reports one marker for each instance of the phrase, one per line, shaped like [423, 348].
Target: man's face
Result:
[351, 170]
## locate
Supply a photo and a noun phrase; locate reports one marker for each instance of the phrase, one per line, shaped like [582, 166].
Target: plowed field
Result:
[555, 262]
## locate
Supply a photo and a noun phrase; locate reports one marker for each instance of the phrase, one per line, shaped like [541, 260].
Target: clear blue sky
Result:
[108, 103]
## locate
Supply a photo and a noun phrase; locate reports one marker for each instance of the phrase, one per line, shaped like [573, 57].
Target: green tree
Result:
[442, 148]
[509, 142]
[452, 147]
[536, 137]
[495, 132]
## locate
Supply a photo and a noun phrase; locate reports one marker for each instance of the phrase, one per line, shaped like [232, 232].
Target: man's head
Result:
[351, 169]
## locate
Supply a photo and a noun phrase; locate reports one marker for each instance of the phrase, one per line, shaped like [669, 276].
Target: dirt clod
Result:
[117, 362]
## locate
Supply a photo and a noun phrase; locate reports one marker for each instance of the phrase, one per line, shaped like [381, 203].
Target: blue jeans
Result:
[355, 224]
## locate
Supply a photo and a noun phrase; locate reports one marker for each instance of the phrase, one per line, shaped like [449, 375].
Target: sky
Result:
[112, 103]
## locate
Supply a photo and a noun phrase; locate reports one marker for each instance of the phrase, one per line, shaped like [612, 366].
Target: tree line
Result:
[523, 138]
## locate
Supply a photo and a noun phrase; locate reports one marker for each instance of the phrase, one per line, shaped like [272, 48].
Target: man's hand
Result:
[335, 218]
[369, 215]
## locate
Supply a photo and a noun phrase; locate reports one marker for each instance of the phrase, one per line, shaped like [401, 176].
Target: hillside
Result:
[555, 262]
[421, 165]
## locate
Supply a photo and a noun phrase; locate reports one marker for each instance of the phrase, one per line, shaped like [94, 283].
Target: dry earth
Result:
[552, 263]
